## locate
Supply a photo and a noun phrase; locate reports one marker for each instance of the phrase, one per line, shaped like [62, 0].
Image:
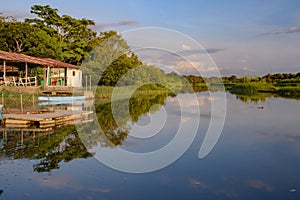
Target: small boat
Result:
[62, 98]
[49, 103]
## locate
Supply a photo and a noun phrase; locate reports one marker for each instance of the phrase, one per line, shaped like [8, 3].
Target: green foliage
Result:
[194, 80]
[118, 68]
[49, 35]
[128, 111]
[12, 101]
[142, 75]
[245, 88]
[110, 49]
[253, 98]
[138, 106]
[289, 92]
[38, 72]
[21, 37]
[74, 37]
[48, 150]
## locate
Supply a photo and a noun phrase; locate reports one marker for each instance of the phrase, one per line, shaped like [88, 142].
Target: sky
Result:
[250, 37]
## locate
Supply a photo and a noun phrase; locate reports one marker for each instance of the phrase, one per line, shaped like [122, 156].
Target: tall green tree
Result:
[21, 37]
[110, 60]
[75, 37]
[118, 68]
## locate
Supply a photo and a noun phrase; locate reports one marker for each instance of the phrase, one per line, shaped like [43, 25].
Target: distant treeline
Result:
[278, 78]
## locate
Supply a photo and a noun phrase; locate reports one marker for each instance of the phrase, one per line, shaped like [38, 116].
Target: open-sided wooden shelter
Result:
[56, 73]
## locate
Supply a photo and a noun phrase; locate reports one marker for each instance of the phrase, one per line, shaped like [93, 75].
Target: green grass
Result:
[245, 88]
[104, 92]
[252, 88]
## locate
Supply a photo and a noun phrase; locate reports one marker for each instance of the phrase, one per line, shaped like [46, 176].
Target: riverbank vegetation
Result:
[281, 84]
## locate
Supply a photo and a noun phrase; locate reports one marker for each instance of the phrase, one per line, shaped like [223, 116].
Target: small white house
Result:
[62, 74]
[74, 77]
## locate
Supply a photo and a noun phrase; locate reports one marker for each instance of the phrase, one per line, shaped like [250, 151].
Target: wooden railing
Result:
[18, 81]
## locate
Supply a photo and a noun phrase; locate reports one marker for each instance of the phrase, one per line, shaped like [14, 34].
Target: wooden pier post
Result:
[86, 84]
[21, 100]
[90, 82]
[33, 102]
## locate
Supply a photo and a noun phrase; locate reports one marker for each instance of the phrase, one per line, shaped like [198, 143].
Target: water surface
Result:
[256, 156]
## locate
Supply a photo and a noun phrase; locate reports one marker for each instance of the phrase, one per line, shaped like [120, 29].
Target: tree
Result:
[143, 74]
[118, 68]
[232, 78]
[74, 36]
[111, 46]
[21, 37]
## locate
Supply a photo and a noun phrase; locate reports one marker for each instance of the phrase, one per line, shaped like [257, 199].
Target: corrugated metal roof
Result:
[18, 57]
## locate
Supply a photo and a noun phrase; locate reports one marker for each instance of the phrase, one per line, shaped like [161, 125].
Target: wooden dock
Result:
[46, 120]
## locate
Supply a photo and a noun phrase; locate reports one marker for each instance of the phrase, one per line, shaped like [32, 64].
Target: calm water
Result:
[256, 157]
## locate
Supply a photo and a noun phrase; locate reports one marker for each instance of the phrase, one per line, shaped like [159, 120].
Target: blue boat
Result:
[62, 98]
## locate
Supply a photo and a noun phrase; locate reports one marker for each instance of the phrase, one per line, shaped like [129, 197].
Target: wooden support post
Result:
[21, 100]
[4, 72]
[22, 137]
[5, 135]
[86, 86]
[4, 68]
[26, 73]
[58, 79]
[66, 75]
[48, 76]
[45, 76]
[90, 82]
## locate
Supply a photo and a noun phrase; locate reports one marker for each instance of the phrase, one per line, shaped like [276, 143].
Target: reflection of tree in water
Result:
[113, 133]
[49, 150]
[259, 97]
[117, 132]
[248, 99]
[65, 144]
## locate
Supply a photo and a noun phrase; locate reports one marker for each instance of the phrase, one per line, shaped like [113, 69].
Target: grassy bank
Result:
[254, 88]
[246, 88]
[103, 92]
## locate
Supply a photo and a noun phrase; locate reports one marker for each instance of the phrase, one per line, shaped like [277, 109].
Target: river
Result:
[255, 156]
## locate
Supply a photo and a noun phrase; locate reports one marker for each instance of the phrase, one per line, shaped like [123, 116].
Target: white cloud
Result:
[293, 29]
[185, 47]
[192, 67]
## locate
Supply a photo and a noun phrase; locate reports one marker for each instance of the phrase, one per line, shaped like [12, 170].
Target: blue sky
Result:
[244, 37]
